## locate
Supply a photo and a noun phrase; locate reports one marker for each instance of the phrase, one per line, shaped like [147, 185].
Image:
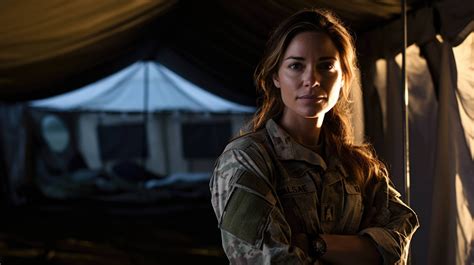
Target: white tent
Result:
[172, 104]
[143, 86]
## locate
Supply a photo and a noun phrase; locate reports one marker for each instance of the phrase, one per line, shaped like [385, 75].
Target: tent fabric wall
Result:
[422, 111]
[453, 202]
[440, 159]
[464, 55]
[55, 43]
[15, 151]
[456, 20]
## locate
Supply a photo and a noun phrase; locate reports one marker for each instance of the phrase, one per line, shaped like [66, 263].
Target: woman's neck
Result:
[306, 131]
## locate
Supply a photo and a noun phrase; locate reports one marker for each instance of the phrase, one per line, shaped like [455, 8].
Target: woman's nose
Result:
[312, 79]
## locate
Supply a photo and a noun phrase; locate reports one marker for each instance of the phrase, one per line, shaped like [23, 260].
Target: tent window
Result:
[205, 140]
[124, 141]
[55, 133]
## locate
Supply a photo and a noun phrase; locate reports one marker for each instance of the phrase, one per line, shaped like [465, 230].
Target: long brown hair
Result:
[360, 159]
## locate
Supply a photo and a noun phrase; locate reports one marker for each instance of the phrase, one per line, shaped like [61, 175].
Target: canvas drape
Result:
[451, 238]
[440, 121]
[43, 44]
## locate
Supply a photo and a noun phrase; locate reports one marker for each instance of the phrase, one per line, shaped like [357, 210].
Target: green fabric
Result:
[246, 215]
[254, 183]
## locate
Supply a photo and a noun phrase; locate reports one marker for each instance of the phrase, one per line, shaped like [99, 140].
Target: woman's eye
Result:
[327, 66]
[295, 66]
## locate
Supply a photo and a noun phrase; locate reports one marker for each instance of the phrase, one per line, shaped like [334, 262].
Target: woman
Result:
[296, 189]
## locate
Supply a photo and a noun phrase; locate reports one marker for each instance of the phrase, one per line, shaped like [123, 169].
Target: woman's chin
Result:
[312, 114]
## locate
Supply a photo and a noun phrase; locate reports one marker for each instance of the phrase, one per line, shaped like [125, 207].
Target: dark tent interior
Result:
[52, 47]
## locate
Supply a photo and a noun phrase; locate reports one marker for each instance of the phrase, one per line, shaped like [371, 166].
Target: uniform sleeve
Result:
[253, 228]
[393, 225]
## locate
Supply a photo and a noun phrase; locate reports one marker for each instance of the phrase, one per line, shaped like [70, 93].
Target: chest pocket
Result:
[332, 203]
[341, 204]
[298, 196]
[353, 208]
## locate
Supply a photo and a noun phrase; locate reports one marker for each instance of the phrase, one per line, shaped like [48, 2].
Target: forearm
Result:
[350, 249]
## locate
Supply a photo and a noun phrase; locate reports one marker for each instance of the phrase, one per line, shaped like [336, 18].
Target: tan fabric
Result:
[39, 30]
[55, 37]
[441, 129]
[464, 56]
[451, 240]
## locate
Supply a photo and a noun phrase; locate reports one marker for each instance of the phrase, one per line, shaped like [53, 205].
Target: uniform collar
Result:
[286, 148]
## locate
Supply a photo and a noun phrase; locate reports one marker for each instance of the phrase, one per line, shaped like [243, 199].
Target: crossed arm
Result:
[272, 241]
[344, 249]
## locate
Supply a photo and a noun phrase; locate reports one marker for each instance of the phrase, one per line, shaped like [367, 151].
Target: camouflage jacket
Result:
[266, 187]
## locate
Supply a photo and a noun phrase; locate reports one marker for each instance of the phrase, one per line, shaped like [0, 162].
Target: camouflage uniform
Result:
[266, 187]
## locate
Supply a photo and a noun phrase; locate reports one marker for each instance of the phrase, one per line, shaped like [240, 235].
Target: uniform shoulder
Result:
[246, 141]
[247, 153]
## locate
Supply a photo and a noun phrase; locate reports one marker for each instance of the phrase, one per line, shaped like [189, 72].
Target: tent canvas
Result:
[144, 117]
[142, 87]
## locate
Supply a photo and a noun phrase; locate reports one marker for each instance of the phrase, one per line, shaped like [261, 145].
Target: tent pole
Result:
[405, 123]
[406, 131]
[145, 114]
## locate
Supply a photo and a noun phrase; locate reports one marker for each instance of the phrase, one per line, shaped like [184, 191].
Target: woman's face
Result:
[309, 76]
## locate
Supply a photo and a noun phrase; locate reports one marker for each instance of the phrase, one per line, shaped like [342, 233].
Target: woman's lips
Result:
[313, 97]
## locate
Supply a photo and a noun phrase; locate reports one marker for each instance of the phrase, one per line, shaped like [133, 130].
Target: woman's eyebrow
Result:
[299, 58]
[295, 58]
[327, 58]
